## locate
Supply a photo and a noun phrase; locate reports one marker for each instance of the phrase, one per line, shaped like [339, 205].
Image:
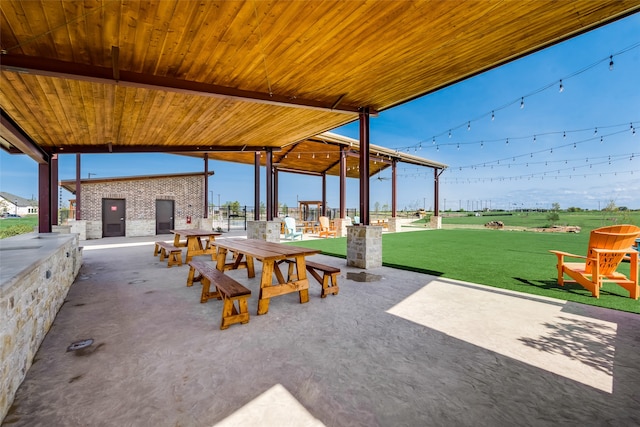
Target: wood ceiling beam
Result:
[181, 149]
[93, 74]
[21, 143]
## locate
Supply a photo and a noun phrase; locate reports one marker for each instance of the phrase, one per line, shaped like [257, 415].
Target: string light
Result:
[522, 103]
[493, 116]
[469, 125]
[561, 89]
[611, 63]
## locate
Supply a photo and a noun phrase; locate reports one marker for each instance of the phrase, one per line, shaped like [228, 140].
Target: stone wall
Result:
[30, 297]
[264, 230]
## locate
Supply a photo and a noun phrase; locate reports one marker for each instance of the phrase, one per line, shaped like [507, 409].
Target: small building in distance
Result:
[138, 205]
[16, 205]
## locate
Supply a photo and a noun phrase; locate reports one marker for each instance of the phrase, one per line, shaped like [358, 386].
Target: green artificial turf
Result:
[516, 260]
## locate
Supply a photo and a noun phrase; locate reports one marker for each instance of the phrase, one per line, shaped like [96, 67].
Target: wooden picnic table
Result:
[194, 244]
[270, 254]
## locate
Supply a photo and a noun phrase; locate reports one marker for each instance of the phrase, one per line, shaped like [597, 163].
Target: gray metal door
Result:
[164, 216]
[113, 218]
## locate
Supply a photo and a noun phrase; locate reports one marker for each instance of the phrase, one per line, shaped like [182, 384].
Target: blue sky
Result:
[574, 147]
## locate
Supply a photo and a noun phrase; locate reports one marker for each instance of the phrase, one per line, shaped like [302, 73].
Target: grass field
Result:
[14, 226]
[516, 260]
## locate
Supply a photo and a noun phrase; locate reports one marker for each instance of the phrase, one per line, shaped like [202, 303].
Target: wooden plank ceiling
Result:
[176, 76]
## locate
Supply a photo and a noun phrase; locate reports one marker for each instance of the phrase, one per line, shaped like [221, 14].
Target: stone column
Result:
[79, 226]
[435, 222]
[264, 230]
[394, 224]
[364, 246]
[341, 226]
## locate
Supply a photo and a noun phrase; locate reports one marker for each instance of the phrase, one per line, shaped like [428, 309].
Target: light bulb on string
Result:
[493, 116]
[298, 155]
[522, 103]
[601, 140]
[534, 139]
[468, 126]
[595, 131]
[564, 135]
[507, 141]
[449, 133]
[481, 144]
[433, 140]
[611, 63]
[561, 89]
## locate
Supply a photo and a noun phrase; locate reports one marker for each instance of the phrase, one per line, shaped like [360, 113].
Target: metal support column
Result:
[343, 182]
[256, 199]
[269, 168]
[275, 193]
[436, 190]
[324, 194]
[364, 166]
[206, 185]
[53, 191]
[44, 197]
[394, 188]
[78, 215]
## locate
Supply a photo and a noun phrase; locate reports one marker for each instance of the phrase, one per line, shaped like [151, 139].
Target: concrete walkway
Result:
[406, 349]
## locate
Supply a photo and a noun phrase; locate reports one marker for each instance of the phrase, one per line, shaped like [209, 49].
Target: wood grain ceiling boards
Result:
[174, 75]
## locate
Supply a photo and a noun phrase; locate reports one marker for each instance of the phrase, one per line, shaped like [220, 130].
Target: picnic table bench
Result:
[227, 290]
[328, 281]
[167, 250]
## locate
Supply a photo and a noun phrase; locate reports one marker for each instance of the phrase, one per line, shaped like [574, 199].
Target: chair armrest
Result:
[561, 254]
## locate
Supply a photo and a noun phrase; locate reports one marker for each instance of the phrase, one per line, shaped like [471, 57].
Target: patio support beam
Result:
[53, 190]
[78, 215]
[343, 182]
[324, 194]
[20, 141]
[105, 75]
[269, 184]
[364, 165]
[206, 185]
[256, 186]
[436, 190]
[394, 188]
[275, 193]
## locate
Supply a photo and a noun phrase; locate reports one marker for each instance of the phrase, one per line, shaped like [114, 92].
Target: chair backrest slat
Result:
[611, 237]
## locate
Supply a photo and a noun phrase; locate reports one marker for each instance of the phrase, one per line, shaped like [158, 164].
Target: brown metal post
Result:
[256, 199]
[394, 189]
[269, 167]
[275, 193]
[78, 215]
[364, 166]
[324, 194]
[343, 182]
[53, 182]
[44, 197]
[206, 185]
[436, 186]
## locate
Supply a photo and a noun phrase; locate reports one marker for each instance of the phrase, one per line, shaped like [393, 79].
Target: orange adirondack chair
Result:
[608, 246]
[325, 228]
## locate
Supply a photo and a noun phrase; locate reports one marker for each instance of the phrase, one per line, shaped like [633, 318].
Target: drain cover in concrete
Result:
[78, 345]
[363, 277]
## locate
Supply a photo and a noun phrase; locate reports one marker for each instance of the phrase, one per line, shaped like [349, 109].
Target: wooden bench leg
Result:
[163, 254]
[175, 258]
[330, 289]
[231, 315]
[156, 249]
[206, 295]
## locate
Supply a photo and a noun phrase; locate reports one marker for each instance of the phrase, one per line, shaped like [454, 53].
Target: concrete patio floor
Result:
[406, 350]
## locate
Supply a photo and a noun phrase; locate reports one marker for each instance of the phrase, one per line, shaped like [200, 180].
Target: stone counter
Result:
[36, 272]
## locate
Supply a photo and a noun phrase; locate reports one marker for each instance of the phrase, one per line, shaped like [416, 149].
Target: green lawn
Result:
[516, 260]
[14, 226]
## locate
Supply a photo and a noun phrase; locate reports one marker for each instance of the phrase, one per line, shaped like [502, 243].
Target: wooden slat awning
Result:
[183, 76]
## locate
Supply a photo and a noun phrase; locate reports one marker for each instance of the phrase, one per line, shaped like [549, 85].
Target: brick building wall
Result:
[140, 195]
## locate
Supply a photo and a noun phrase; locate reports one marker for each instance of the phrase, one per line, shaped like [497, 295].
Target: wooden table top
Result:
[261, 249]
[196, 232]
